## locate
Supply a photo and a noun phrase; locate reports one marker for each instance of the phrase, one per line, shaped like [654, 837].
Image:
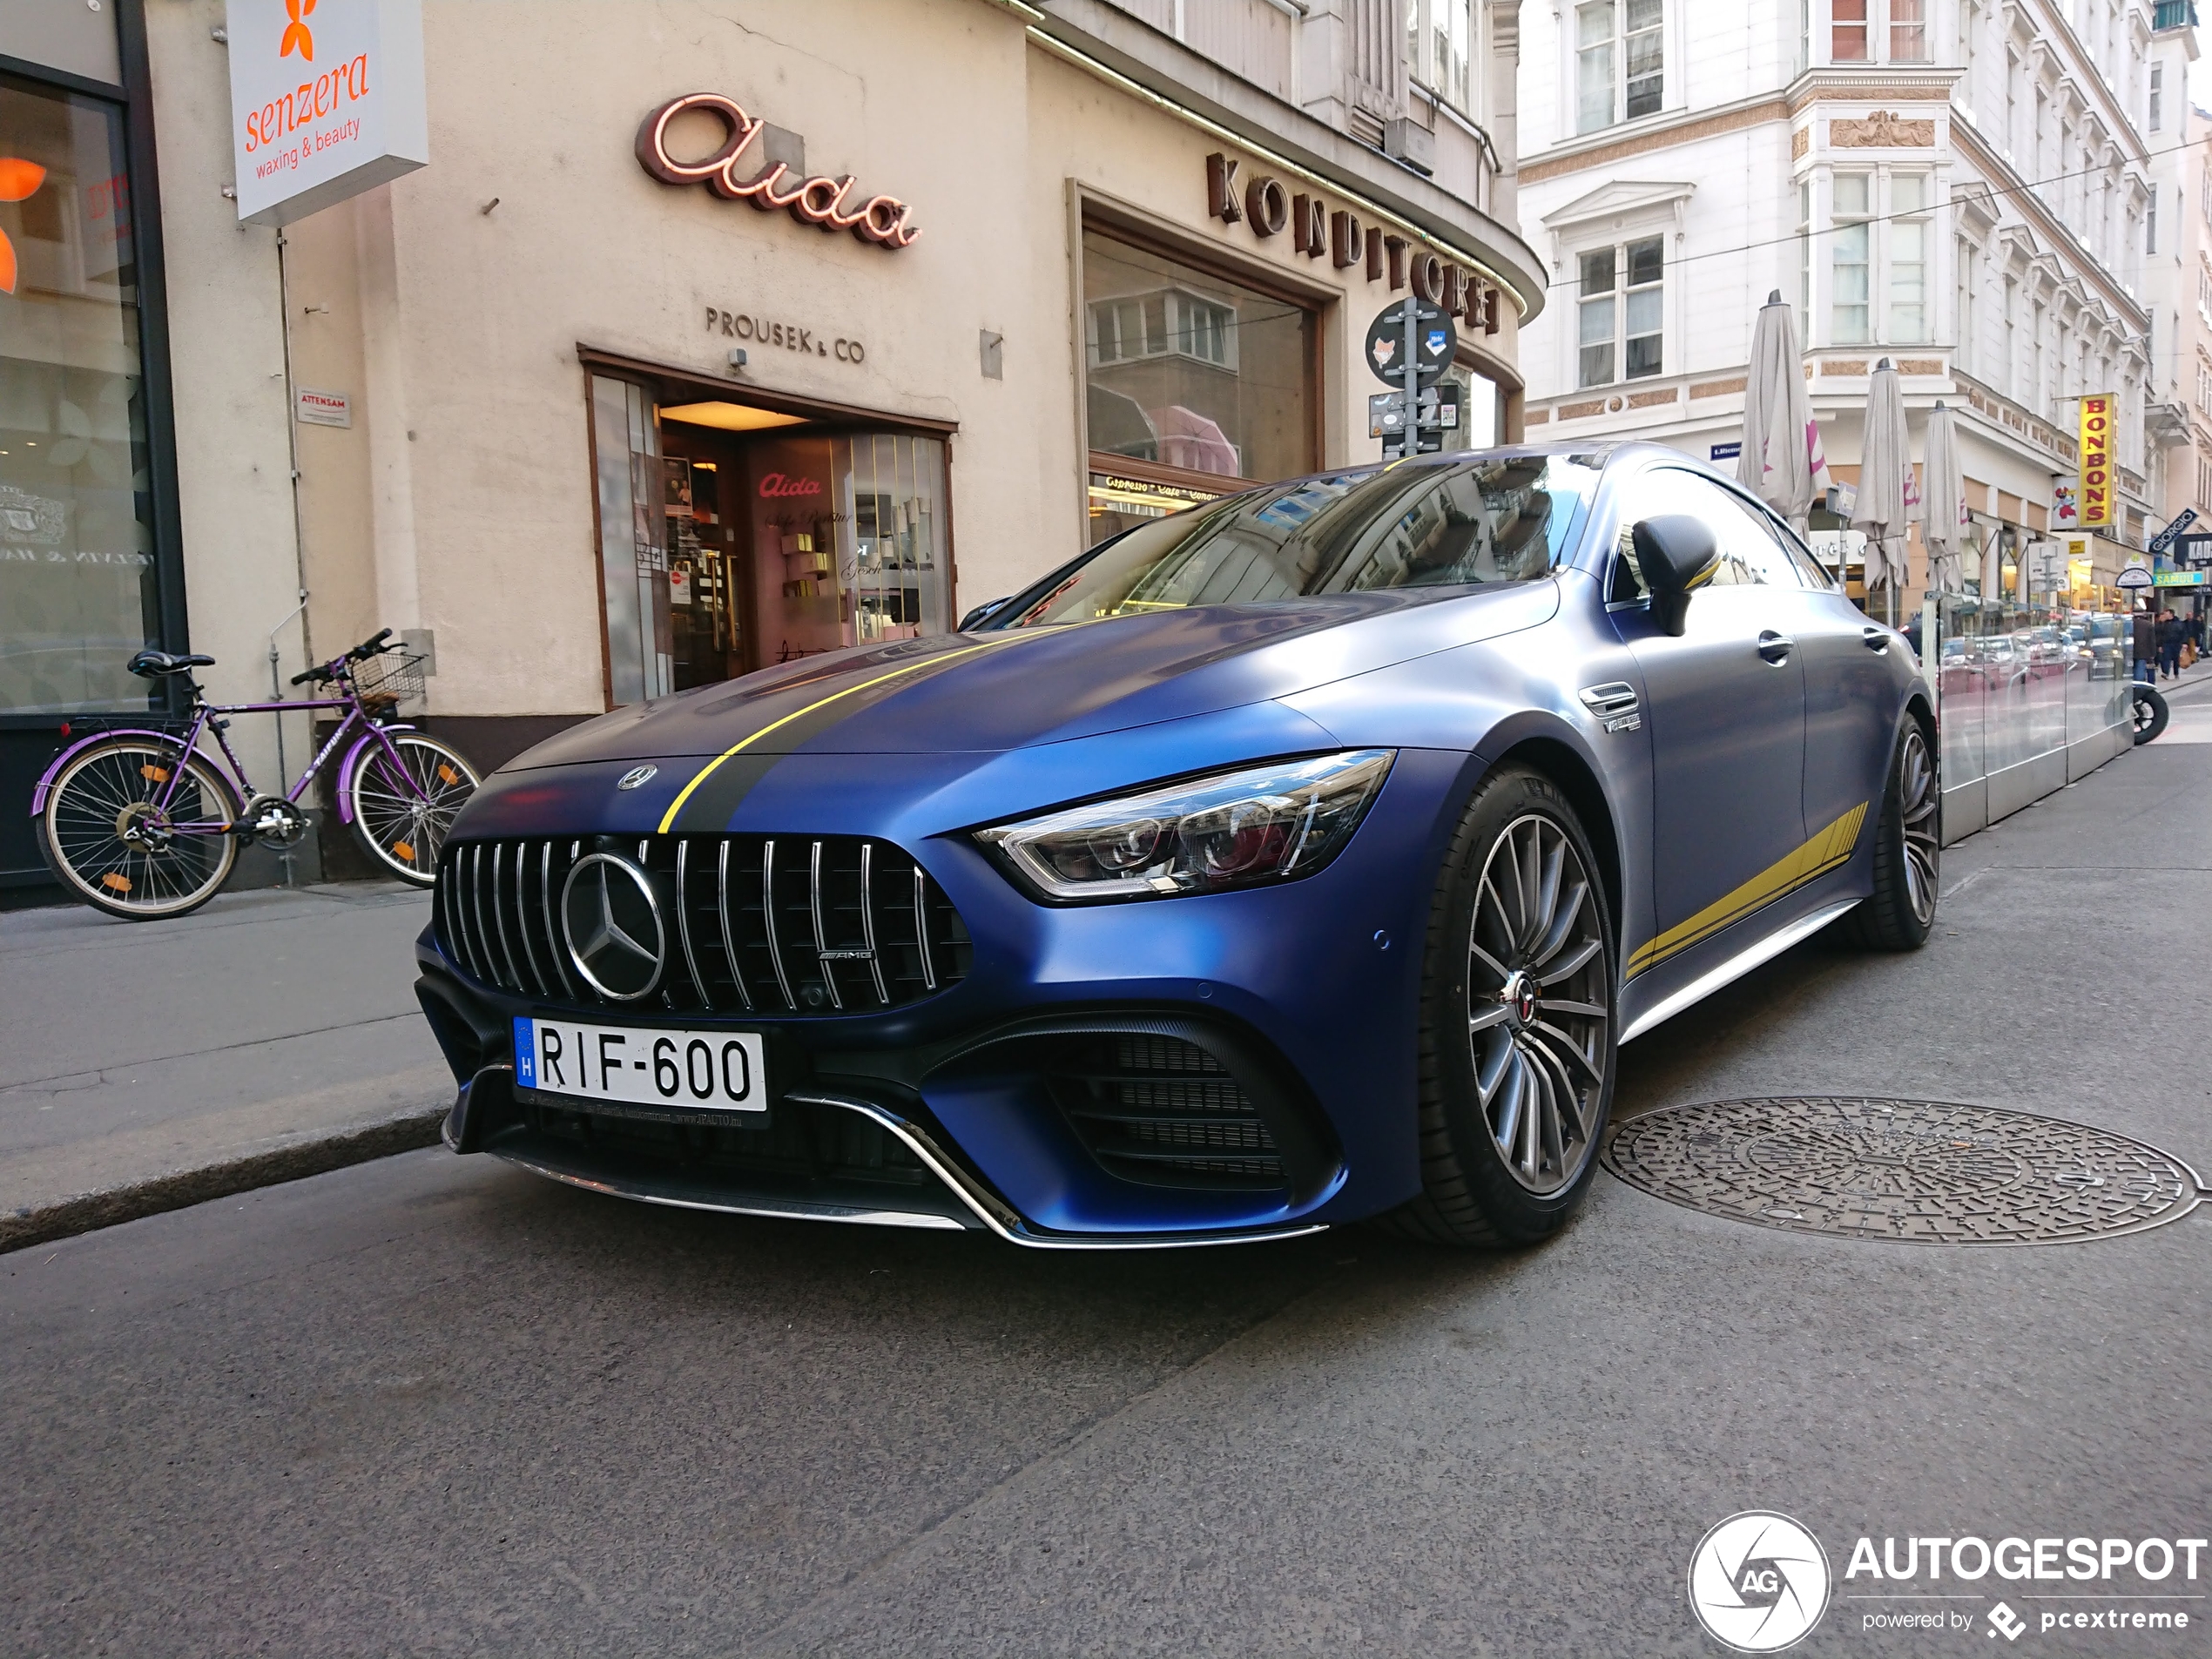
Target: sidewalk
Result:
[144, 1066]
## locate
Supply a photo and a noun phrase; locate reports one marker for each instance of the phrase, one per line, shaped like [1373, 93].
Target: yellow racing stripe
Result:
[1816, 858]
[668, 819]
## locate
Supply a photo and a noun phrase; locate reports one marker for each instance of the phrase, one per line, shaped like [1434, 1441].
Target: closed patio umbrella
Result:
[1943, 495]
[1886, 492]
[1780, 461]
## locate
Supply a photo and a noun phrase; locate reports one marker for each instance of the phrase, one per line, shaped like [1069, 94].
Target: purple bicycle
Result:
[143, 825]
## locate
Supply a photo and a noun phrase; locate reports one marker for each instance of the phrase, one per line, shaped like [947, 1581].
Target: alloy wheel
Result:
[1538, 1005]
[1918, 798]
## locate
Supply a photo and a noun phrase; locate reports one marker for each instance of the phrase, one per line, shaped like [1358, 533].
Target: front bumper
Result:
[1282, 1017]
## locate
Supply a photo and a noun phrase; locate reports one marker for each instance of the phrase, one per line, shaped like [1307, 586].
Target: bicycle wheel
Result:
[402, 813]
[112, 847]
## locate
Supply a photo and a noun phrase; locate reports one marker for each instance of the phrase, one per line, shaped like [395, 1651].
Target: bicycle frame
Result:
[213, 716]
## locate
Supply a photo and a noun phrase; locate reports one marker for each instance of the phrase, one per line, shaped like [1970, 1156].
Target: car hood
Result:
[994, 691]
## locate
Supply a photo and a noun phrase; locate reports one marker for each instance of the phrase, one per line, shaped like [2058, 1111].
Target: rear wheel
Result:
[1517, 1022]
[1908, 853]
[403, 809]
[112, 843]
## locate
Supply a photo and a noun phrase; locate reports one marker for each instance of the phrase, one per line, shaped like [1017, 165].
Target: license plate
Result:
[699, 1070]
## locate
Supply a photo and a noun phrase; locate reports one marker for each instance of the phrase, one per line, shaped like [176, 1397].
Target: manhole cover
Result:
[1916, 1171]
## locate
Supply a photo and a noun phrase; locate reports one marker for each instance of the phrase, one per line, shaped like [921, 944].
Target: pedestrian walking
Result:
[2143, 642]
[2170, 634]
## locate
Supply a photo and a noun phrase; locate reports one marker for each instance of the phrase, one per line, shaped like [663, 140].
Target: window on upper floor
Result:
[1890, 31]
[2204, 291]
[2203, 389]
[1619, 61]
[1851, 313]
[2157, 95]
[1621, 312]
[1441, 49]
[1908, 260]
[2150, 223]
[1880, 249]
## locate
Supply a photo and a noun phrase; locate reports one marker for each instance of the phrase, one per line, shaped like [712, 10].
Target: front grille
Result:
[776, 925]
[1161, 1110]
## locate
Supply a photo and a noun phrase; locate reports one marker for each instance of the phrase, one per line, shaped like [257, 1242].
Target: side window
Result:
[1751, 553]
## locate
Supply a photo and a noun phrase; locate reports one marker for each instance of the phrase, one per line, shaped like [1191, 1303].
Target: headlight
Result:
[1236, 829]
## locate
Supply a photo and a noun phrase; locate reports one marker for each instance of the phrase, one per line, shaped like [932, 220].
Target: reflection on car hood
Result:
[999, 691]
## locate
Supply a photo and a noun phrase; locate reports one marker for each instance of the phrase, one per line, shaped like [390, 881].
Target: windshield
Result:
[1509, 518]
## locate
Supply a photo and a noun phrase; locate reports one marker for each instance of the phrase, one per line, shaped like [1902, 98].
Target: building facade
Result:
[2177, 288]
[711, 335]
[1964, 189]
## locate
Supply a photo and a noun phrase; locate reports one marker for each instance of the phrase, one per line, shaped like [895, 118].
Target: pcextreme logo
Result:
[19, 179]
[1758, 1582]
[296, 32]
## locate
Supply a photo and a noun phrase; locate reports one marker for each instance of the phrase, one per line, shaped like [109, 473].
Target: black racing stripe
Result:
[715, 802]
[709, 806]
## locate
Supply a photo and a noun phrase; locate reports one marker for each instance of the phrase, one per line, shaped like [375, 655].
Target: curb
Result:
[316, 1155]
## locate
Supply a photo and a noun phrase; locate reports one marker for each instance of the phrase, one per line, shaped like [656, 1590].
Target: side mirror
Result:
[983, 613]
[1677, 555]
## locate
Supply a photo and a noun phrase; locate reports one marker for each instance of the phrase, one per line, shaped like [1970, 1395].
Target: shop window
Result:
[1188, 375]
[78, 583]
[633, 541]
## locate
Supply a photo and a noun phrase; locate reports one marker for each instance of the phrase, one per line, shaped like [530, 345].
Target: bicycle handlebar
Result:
[373, 646]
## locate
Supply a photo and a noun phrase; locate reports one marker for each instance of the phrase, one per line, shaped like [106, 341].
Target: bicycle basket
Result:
[390, 680]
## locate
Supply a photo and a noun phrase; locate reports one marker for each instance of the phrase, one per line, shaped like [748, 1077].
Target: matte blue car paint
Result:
[1452, 679]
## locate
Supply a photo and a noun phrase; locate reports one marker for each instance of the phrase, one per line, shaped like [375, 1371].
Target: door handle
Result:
[1776, 648]
[1875, 639]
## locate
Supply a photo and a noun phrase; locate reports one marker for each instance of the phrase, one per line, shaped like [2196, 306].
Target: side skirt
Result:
[1736, 967]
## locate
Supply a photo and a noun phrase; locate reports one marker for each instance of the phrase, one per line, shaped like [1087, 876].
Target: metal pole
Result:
[1412, 372]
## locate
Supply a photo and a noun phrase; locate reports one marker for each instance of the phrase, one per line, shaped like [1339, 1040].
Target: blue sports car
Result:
[1301, 857]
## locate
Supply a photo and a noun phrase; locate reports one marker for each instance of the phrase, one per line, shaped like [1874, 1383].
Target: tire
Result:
[403, 830]
[1506, 1164]
[81, 832]
[2149, 709]
[1908, 852]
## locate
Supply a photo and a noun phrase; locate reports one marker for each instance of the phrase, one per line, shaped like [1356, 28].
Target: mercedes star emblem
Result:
[612, 920]
[637, 776]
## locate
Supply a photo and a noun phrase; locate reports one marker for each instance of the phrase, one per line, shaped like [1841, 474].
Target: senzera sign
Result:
[2095, 505]
[326, 101]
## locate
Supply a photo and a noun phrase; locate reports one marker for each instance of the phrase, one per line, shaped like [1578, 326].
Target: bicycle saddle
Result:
[148, 663]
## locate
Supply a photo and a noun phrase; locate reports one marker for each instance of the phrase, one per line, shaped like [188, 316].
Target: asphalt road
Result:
[431, 1405]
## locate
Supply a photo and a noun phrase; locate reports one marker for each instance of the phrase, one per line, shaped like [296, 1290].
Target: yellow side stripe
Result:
[668, 819]
[1831, 847]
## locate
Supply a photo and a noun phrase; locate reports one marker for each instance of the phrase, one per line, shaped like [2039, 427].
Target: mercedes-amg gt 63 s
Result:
[1301, 857]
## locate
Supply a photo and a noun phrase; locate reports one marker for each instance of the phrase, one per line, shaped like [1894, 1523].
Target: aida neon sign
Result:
[819, 200]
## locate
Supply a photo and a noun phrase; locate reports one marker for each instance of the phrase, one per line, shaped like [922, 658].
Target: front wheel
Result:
[1517, 1046]
[403, 808]
[119, 838]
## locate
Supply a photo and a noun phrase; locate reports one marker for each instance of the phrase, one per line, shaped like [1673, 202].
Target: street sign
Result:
[2136, 578]
[1435, 413]
[2165, 538]
[1725, 452]
[1434, 341]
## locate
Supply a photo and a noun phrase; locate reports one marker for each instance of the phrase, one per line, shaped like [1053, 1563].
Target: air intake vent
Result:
[1163, 1111]
[749, 924]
